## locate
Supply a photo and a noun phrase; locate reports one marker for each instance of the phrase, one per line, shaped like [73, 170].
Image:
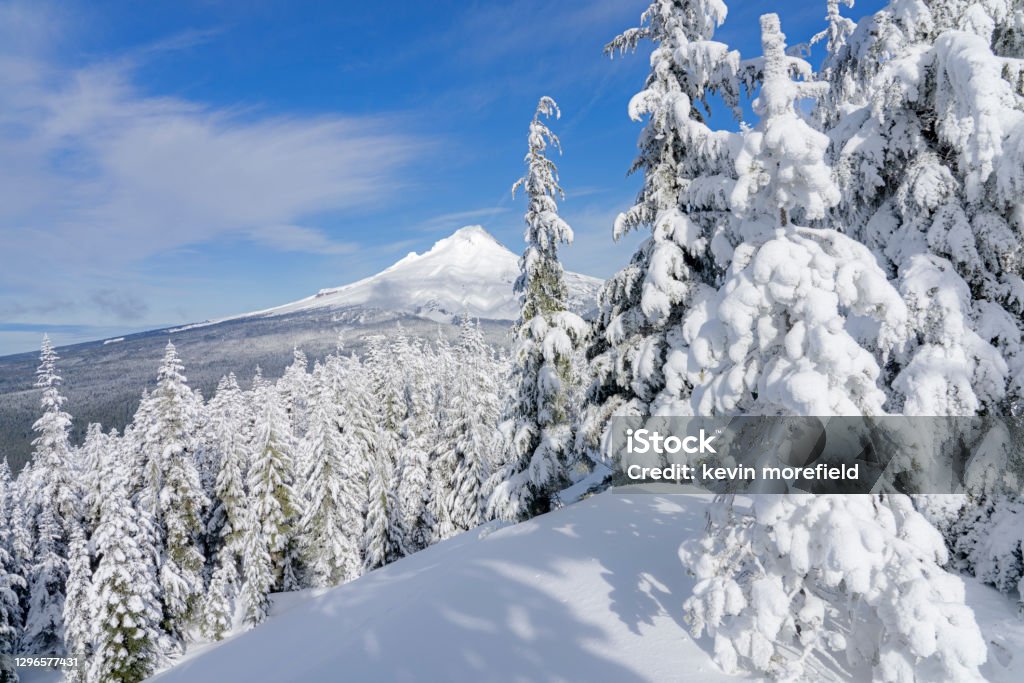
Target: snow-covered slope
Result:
[592, 592]
[470, 271]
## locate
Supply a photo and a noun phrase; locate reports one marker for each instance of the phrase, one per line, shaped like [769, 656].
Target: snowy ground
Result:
[592, 592]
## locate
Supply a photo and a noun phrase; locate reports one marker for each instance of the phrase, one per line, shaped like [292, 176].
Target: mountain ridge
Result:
[103, 379]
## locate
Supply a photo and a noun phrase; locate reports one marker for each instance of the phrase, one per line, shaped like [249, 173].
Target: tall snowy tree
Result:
[930, 159]
[272, 497]
[637, 352]
[462, 464]
[11, 581]
[227, 434]
[776, 339]
[382, 533]
[79, 601]
[126, 633]
[57, 511]
[547, 335]
[257, 570]
[97, 448]
[218, 609]
[794, 580]
[328, 528]
[173, 493]
[295, 388]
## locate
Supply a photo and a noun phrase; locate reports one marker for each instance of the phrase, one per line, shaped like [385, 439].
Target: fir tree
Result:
[929, 157]
[126, 633]
[257, 571]
[11, 582]
[173, 493]
[331, 551]
[463, 462]
[637, 351]
[218, 606]
[78, 604]
[271, 478]
[295, 389]
[57, 511]
[776, 339]
[227, 433]
[546, 338]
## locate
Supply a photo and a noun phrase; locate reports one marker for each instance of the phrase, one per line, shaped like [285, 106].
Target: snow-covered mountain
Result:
[467, 272]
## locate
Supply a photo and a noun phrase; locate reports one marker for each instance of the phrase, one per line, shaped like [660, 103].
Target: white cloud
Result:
[298, 238]
[96, 176]
[449, 222]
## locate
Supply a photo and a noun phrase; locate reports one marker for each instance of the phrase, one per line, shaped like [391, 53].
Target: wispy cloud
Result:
[97, 175]
[457, 219]
[123, 305]
[300, 239]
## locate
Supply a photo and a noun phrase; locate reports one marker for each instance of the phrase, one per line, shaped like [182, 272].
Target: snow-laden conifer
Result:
[227, 433]
[637, 351]
[804, 585]
[218, 605]
[11, 582]
[330, 551]
[547, 336]
[462, 464]
[126, 633]
[777, 337]
[257, 570]
[56, 510]
[173, 494]
[78, 604]
[930, 164]
[272, 497]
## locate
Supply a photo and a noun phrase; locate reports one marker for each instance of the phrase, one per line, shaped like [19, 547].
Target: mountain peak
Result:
[467, 272]
[471, 231]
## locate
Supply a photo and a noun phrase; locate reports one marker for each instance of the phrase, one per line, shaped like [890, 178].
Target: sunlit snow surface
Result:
[592, 592]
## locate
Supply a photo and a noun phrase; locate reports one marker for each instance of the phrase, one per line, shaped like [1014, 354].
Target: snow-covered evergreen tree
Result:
[218, 606]
[331, 552]
[257, 570]
[78, 604]
[227, 433]
[295, 389]
[777, 338]
[173, 493]
[930, 160]
[547, 336]
[413, 498]
[381, 533]
[807, 584]
[11, 581]
[272, 497]
[57, 511]
[637, 353]
[97, 448]
[126, 634]
[461, 467]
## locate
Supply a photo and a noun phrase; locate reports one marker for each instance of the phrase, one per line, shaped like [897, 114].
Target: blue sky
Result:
[167, 162]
